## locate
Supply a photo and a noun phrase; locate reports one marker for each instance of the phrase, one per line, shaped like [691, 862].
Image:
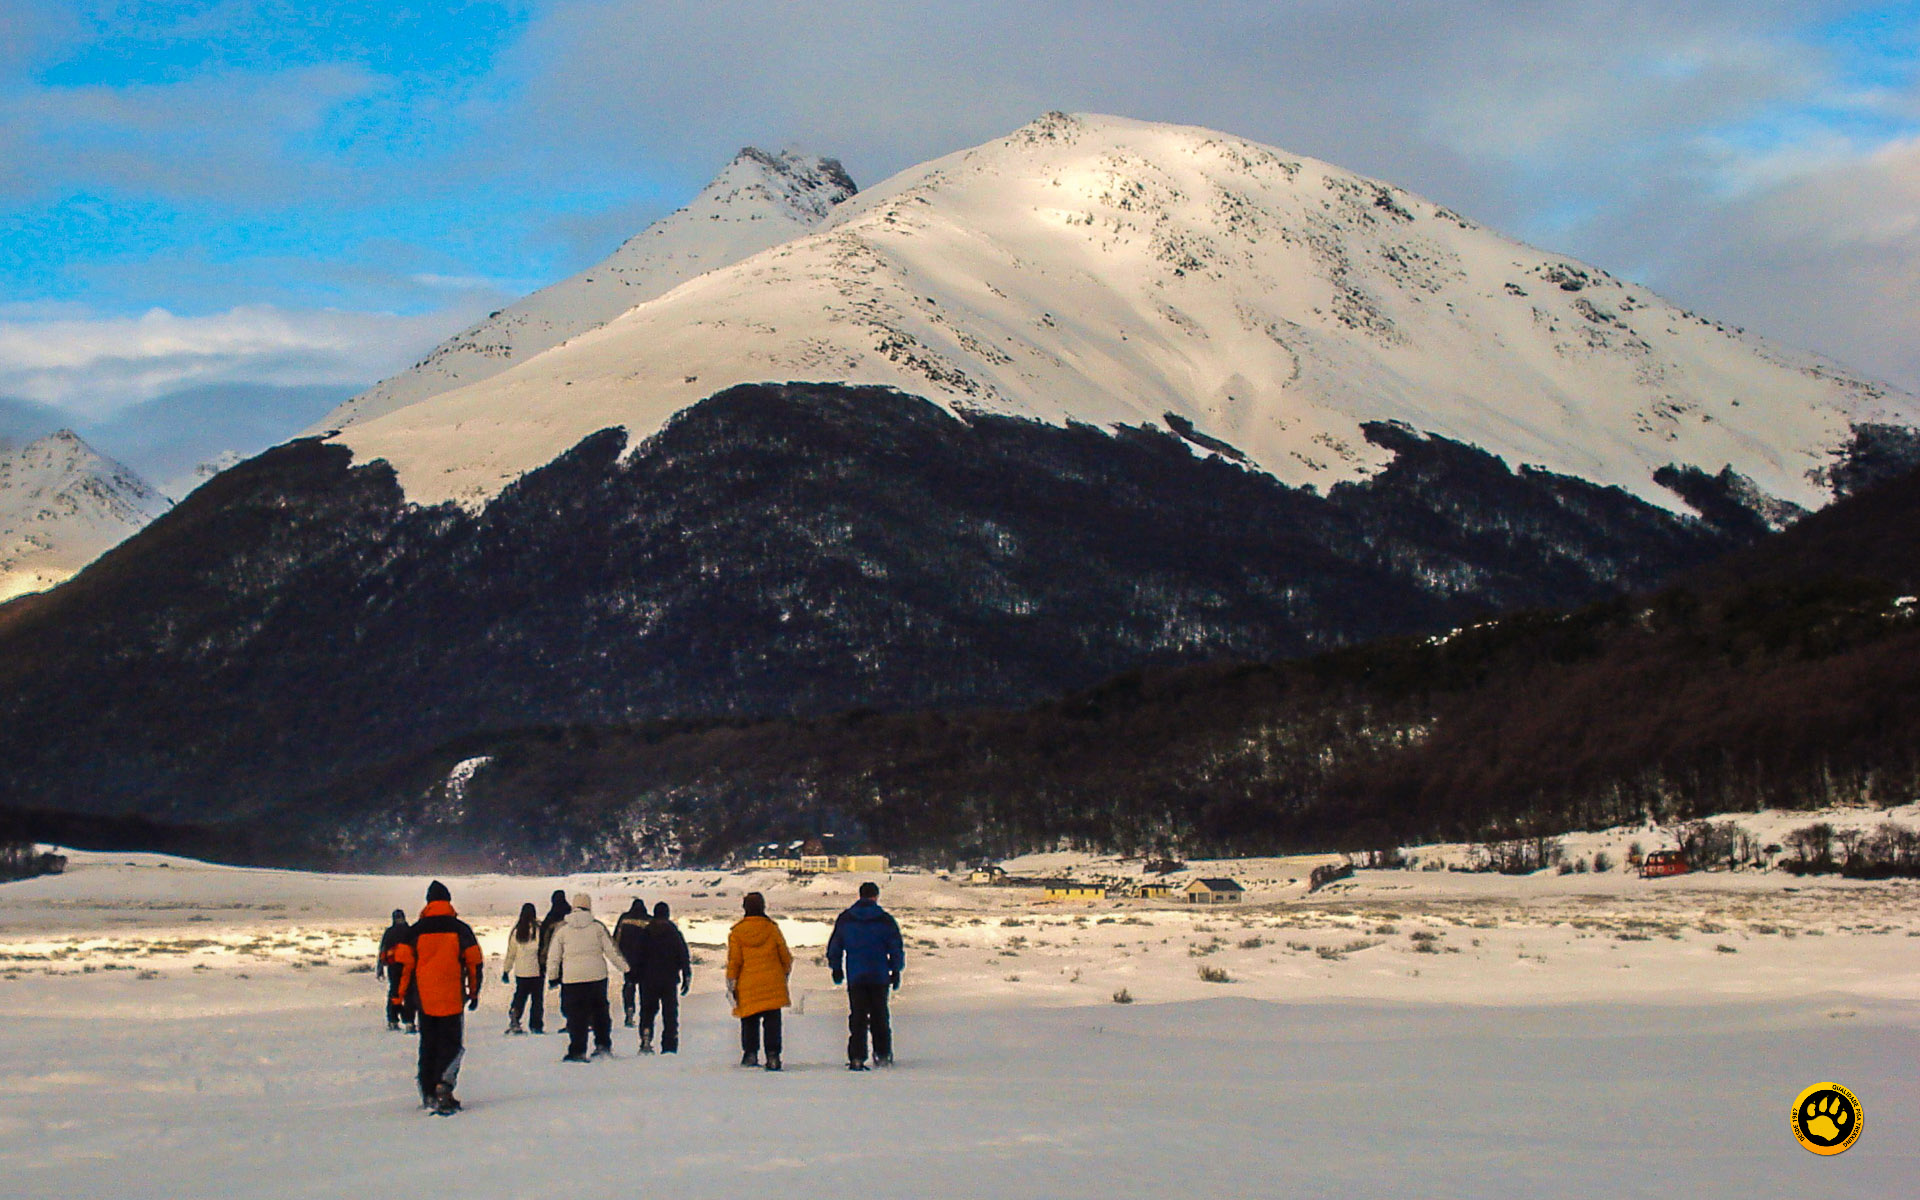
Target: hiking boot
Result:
[393, 1023]
[856, 1065]
[883, 1060]
[603, 1052]
[571, 1057]
[750, 1059]
[443, 1102]
[412, 1028]
[773, 1062]
[629, 1018]
[646, 1043]
[515, 1028]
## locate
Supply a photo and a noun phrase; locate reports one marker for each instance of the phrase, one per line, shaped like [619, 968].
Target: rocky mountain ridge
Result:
[63, 504]
[758, 200]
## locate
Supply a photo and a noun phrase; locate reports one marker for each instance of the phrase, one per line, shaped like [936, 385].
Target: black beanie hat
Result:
[755, 904]
[660, 909]
[870, 890]
[438, 891]
[399, 914]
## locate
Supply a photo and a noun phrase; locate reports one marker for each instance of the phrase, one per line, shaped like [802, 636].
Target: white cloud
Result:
[93, 366]
[1825, 256]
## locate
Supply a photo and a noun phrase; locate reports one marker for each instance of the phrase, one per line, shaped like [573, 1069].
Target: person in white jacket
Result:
[577, 959]
[522, 969]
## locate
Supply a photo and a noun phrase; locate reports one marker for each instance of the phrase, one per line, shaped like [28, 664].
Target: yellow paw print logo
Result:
[1827, 1118]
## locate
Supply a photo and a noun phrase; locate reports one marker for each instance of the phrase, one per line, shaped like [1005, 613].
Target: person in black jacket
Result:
[865, 952]
[665, 971]
[400, 1007]
[556, 913]
[626, 935]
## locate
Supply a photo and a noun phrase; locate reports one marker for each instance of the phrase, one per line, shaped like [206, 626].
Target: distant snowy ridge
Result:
[62, 505]
[1109, 271]
[758, 200]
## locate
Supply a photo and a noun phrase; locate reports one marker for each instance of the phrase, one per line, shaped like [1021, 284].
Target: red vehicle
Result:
[1663, 862]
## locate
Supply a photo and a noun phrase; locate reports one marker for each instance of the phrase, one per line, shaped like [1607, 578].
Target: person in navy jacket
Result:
[866, 954]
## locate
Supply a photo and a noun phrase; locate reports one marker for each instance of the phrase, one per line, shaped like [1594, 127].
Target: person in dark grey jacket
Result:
[866, 953]
[664, 970]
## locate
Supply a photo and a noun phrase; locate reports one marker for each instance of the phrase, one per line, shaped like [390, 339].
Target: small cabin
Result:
[1214, 891]
[1073, 889]
[1157, 890]
[1663, 862]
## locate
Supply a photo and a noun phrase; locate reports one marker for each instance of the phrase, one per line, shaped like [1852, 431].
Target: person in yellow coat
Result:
[758, 963]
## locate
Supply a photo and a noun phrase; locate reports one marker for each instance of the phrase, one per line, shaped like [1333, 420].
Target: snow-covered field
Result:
[174, 1029]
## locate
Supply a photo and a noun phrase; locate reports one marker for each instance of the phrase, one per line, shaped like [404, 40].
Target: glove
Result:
[505, 979]
[684, 985]
[473, 1002]
[893, 977]
[553, 983]
[839, 976]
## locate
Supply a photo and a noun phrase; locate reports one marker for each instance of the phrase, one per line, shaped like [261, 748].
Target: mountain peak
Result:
[63, 504]
[758, 200]
[1109, 271]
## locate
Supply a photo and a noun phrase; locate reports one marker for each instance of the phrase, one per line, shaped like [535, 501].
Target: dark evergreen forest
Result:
[685, 629]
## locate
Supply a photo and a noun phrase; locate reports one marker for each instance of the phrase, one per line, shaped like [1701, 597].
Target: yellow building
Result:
[875, 864]
[773, 864]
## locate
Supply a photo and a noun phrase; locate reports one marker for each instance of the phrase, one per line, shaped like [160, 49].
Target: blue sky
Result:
[201, 193]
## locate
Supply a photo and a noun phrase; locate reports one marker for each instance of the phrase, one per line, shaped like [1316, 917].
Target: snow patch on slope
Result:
[62, 505]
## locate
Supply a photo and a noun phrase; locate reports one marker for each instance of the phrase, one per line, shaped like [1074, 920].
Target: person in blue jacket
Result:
[865, 953]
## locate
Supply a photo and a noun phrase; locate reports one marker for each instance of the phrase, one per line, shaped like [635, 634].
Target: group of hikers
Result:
[432, 969]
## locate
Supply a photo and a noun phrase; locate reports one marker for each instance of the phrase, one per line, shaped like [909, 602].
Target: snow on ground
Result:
[179, 1029]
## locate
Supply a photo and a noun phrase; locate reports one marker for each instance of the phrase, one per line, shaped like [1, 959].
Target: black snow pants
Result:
[442, 1045]
[584, 1005]
[399, 1007]
[666, 1002]
[750, 1032]
[867, 1011]
[529, 991]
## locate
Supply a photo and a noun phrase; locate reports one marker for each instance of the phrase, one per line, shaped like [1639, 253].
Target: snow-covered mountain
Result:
[758, 200]
[1111, 271]
[62, 505]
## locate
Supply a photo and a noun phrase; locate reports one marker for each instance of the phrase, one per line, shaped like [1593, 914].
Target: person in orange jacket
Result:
[758, 963]
[441, 959]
